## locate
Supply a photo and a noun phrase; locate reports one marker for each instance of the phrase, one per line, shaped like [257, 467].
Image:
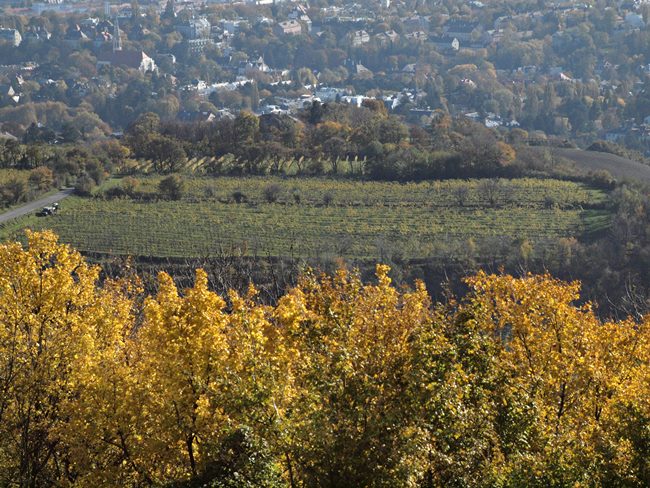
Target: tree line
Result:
[329, 133]
[80, 165]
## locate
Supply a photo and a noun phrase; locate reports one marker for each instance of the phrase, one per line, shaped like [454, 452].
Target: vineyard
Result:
[357, 220]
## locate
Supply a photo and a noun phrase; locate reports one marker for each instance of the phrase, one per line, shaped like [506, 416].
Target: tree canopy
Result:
[340, 383]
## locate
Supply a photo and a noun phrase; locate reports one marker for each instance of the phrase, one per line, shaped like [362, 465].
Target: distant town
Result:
[566, 70]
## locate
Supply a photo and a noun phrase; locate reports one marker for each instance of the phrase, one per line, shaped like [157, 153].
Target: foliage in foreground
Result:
[339, 384]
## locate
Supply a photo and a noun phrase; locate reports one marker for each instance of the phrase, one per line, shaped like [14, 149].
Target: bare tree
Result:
[461, 193]
[490, 189]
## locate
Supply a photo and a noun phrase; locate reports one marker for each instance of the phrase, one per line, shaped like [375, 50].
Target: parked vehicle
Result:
[49, 210]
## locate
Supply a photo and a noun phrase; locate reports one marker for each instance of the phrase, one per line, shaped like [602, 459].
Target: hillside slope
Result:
[619, 167]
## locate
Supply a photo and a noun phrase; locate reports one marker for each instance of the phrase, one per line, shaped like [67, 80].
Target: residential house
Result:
[387, 38]
[468, 83]
[89, 23]
[562, 77]
[125, 13]
[8, 94]
[356, 100]
[167, 58]
[75, 37]
[262, 20]
[329, 94]
[37, 34]
[359, 37]
[253, 65]
[224, 114]
[615, 135]
[195, 85]
[416, 23]
[78, 88]
[12, 36]
[410, 69]
[47, 5]
[300, 14]
[463, 30]
[445, 43]
[197, 32]
[197, 45]
[288, 28]
[102, 38]
[391, 102]
[231, 27]
[196, 116]
[297, 11]
[418, 36]
[105, 25]
[267, 111]
[127, 59]
[360, 69]
[138, 32]
[195, 28]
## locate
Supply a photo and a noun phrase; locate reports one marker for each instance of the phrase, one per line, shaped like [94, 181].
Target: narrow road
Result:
[32, 207]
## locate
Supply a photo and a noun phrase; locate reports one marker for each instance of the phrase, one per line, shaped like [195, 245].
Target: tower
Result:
[107, 10]
[117, 39]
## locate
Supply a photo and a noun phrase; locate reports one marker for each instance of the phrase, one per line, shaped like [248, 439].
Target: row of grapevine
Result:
[523, 192]
[229, 164]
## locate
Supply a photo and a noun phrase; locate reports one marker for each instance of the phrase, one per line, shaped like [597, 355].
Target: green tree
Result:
[171, 187]
[166, 154]
[246, 130]
[41, 178]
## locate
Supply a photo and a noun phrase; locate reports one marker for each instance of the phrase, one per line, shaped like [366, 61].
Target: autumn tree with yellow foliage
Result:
[339, 384]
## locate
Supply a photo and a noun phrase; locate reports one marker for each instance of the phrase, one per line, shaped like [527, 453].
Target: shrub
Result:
[84, 186]
[297, 197]
[602, 179]
[239, 196]
[130, 185]
[272, 193]
[114, 192]
[328, 198]
[171, 187]
[549, 202]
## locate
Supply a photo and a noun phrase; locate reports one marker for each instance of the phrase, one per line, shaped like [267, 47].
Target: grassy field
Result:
[362, 220]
